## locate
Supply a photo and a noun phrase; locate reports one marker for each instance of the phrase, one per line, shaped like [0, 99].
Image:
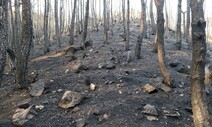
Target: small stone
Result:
[37, 88]
[110, 65]
[165, 88]
[60, 90]
[101, 65]
[92, 86]
[174, 63]
[39, 107]
[22, 116]
[152, 118]
[120, 92]
[171, 113]
[80, 123]
[103, 117]
[150, 89]
[70, 99]
[51, 81]
[150, 110]
[76, 109]
[67, 70]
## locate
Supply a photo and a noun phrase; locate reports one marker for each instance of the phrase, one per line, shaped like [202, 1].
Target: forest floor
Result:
[119, 97]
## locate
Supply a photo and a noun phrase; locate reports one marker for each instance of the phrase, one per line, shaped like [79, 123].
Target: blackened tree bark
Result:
[160, 43]
[152, 17]
[46, 26]
[127, 47]
[84, 35]
[3, 34]
[71, 31]
[140, 36]
[25, 45]
[199, 105]
[57, 26]
[106, 38]
[178, 34]
[188, 25]
[124, 19]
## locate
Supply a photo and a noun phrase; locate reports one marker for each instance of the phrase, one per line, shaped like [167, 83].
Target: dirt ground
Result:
[119, 97]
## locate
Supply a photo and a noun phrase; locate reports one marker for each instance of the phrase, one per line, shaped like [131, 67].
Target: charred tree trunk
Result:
[85, 24]
[25, 45]
[160, 43]
[152, 18]
[105, 22]
[71, 31]
[57, 26]
[127, 47]
[45, 26]
[188, 25]
[178, 34]
[3, 34]
[124, 19]
[199, 105]
[140, 36]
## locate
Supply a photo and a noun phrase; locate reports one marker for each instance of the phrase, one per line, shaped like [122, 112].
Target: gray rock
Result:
[110, 65]
[37, 88]
[70, 99]
[150, 110]
[183, 69]
[101, 65]
[22, 116]
[80, 123]
[174, 63]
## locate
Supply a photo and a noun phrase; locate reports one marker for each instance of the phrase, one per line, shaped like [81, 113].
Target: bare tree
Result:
[17, 26]
[140, 36]
[71, 31]
[199, 105]
[45, 27]
[178, 34]
[160, 43]
[188, 25]
[57, 26]
[105, 22]
[152, 17]
[124, 19]
[3, 34]
[128, 26]
[84, 36]
[25, 45]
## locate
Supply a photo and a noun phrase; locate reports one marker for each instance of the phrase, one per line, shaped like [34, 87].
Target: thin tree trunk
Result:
[140, 36]
[179, 38]
[184, 27]
[111, 13]
[57, 26]
[17, 26]
[46, 30]
[124, 19]
[25, 45]
[152, 18]
[3, 34]
[188, 25]
[128, 26]
[160, 43]
[167, 17]
[201, 116]
[105, 22]
[71, 31]
[84, 36]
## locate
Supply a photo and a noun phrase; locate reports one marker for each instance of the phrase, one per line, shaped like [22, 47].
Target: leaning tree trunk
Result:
[199, 105]
[46, 26]
[71, 31]
[84, 35]
[188, 25]
[160, 43]
[3, 34]
[127, 47]
[179, 38]
[140, 36]
[152, 18]
[57, 27]
[25, 45]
